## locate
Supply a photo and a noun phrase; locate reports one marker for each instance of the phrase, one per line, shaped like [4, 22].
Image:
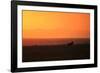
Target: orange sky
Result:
[40, 24]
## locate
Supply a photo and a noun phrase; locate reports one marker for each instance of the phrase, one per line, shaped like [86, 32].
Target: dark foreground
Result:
[56, 52]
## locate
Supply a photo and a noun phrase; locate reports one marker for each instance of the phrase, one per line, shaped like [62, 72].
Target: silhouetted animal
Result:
[71, 43]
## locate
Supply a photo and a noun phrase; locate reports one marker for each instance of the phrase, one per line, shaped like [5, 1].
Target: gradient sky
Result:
[41, 24]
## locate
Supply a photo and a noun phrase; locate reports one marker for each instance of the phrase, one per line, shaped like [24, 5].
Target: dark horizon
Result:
[78, 49]
[56, 52]
[54, 41]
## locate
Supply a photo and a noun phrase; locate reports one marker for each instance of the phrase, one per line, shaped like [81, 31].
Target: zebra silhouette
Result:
[71, 43]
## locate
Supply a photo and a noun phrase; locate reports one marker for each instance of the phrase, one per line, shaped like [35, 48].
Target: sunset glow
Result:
[52, 36]
[42, 24]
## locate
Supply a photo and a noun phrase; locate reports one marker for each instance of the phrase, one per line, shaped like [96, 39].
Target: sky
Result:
[43, 24]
